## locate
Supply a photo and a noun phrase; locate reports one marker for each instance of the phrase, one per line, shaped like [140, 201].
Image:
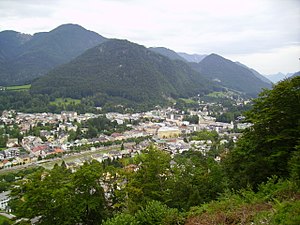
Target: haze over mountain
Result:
[191, 57]
[126, 70]
[168, 53]
[230, 74]
[257, 74]
[279, 76]
[27, 57]
[296, 74]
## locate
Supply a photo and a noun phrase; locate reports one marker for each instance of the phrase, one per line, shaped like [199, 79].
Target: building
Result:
[4, 199]
[168, 132]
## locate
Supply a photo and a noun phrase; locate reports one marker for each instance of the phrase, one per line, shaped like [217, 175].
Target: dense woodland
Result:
[124, 70]
[256, 182]
[24, 101]
[230, 74]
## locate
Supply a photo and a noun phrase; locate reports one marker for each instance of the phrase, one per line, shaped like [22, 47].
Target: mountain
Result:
[191, 57]
[124, 70]
[296, 74]
[44, 51]
[167, 52]
[257, 74]
[230, 74]
[278, 76]
[9, 43]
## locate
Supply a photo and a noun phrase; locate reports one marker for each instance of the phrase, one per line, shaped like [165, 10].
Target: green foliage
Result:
[196, 179]
[287, 213]
[192, 119]
[4, 221]
[18, 88]
[153, 213]
[121, 219]
[150, 181]
[60, 197]
[157, 213]
[101, 124]
[248, 207]
[205, 135]
[294, 166]
[268, 147]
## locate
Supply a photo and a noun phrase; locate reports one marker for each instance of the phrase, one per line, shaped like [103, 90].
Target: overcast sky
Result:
[263, 34]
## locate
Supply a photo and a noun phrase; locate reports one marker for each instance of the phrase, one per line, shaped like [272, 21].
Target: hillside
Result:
[257, 74]
[9, 43]
[230, 74]
[43, 51]
[123, 69]
[167, 52]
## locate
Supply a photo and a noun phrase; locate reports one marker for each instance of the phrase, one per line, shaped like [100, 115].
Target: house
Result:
[12, 142]
[25, 158]
[4, 199]
[39, 150]
[2, 155]
[118, 136]
[11, 153]
[7, 164]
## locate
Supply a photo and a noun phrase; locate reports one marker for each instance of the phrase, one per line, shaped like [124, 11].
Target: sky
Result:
[262, 34]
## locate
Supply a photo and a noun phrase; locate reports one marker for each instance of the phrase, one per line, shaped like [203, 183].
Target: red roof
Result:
[39, 148]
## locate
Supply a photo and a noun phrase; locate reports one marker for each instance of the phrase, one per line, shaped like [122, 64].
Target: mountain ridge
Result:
[230, 74]
[126, 70]
[46, 50]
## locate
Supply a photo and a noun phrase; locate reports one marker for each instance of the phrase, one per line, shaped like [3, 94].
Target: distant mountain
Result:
[33, 56]
[278, 76]
[9, 43]
[167, 52]
[257, 74]
[124, 70]
[296, 74]
[191, 57]
[230, 74]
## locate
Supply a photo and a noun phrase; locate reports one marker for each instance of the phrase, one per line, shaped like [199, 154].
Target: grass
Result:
[3, 218]
[18, 88]
[188, 100]
[217, 95]
[65, 101]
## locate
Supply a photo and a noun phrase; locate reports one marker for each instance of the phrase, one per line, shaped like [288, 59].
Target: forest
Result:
[256, 182]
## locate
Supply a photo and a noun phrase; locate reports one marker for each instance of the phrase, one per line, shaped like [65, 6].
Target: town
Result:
[169, 128]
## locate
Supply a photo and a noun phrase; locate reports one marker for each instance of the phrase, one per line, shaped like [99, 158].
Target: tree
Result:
[150, 182]
[268, 146]
[89, 194]
[60, 197]
[157, 213]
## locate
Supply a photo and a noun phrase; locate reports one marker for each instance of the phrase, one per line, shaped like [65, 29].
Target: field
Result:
[188, 100]
[217, 95]
[65, 101]
[18, 88]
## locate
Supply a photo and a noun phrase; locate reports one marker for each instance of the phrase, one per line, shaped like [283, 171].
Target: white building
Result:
[4, 199]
